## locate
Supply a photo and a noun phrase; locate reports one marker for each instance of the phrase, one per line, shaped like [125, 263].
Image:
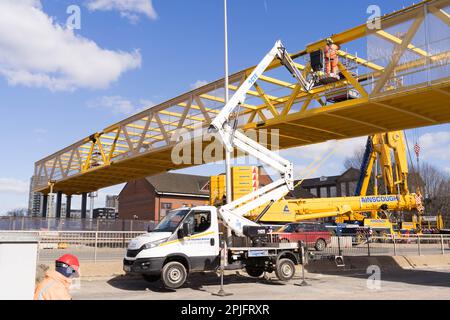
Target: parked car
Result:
[315, 235]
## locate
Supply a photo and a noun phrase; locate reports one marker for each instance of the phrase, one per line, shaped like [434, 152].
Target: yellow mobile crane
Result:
[374, 211]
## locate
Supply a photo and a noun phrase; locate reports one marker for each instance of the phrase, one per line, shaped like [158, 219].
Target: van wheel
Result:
[285, 269]
[151, 277]
[174, 275]
[320, 245]
[254, 272]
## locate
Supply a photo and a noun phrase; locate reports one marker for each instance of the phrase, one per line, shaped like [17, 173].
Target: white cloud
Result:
[37, 52]
[435, 145]
[119, 105]
[130, 9]
[15, 186]
[198, 84]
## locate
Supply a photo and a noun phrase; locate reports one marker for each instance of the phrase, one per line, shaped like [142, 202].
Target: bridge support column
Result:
[83, 205]
[44, 205]
[68, 205]
[58, 204]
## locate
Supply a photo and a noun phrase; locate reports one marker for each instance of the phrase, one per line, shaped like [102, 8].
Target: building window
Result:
[333, 191]
[351, 188]
[323, 192]
[313, 191]
[343, 189]
[166, 205]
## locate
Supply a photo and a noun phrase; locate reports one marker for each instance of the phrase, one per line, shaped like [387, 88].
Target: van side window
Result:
[199, 221]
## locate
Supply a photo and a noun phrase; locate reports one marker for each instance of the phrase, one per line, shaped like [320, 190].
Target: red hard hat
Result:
[70, 260]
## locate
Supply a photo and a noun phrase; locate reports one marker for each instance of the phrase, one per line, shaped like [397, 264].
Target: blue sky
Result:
[157, 50]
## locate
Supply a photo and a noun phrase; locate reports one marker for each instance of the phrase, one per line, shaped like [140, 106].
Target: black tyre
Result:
[360, 238]
[320, 245]
[254, 272]
[173, 275]
[151, 277]
[285, 269]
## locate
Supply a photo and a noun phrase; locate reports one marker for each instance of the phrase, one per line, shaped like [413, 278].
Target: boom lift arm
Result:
[232, 213]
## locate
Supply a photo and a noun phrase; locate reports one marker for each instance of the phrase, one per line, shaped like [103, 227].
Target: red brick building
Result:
[150, 198]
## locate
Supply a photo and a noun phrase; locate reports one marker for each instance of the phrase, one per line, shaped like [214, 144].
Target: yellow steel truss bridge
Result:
[401, 82]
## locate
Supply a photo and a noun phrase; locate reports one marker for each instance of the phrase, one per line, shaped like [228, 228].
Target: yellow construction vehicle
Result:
[431, 224]
[385, 214]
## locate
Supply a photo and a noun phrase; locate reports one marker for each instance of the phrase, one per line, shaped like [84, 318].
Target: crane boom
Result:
[395, 176]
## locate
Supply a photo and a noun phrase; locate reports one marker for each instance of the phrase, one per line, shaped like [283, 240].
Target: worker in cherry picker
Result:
[56, 283]
[331, 59]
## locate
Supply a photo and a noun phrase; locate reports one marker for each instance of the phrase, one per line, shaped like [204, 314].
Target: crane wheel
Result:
[285, 269]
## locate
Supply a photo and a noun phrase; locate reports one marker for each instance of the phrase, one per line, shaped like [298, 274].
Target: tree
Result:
[435, 188]
[355, 160]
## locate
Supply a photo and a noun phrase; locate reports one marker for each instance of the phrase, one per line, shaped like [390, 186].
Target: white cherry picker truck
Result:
[187, 239]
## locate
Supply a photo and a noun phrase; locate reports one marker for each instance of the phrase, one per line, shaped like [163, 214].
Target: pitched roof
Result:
[350, 174]
[179, 183]
[300, 193]
[322, 181]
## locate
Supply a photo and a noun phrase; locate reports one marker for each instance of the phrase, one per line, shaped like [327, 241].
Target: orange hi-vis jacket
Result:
[55, 286]
[331, 59]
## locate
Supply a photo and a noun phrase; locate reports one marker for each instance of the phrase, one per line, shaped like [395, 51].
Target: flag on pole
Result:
[417, 149]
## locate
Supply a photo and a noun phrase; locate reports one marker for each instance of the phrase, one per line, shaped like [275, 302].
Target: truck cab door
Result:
[201, 243]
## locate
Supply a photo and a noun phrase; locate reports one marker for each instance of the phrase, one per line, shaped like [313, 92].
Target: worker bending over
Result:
[331, 59]
[56, 283]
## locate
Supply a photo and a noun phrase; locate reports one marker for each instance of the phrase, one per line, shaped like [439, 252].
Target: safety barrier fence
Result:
[111, 245]
[390, 245]
[86, 245]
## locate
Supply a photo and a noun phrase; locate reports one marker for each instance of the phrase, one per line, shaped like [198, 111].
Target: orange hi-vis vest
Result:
[331, 59]
[55, 286]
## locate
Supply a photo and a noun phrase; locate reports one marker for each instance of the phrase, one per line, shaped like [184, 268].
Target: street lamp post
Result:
[223, 251]
[227, 154]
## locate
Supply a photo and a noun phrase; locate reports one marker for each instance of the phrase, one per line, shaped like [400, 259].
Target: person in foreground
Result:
[56, 283]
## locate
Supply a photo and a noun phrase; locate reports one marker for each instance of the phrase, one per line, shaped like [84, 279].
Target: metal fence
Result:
[111, 245]
[390, 245]
[73, 224]
[86, 245]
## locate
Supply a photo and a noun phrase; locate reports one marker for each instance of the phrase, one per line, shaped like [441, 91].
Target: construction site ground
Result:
[414, 277]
